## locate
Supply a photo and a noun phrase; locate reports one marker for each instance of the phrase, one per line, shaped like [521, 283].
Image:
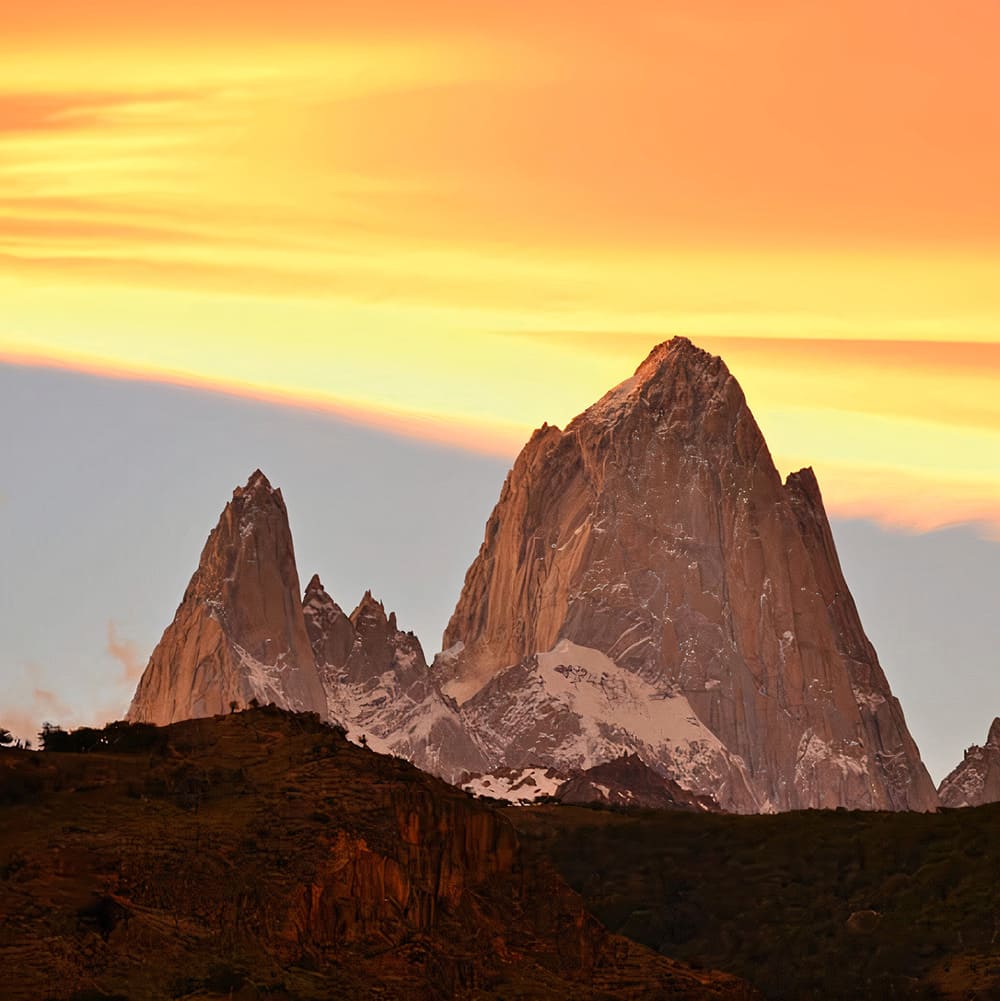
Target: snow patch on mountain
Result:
[573, 707]
[521, 786]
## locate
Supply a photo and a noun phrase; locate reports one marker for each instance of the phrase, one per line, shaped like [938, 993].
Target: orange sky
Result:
[461, 219]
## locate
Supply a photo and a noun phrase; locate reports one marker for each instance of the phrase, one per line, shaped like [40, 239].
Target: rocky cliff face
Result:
[648, 560]
[976, 781]
[239, 633]
[379, 686]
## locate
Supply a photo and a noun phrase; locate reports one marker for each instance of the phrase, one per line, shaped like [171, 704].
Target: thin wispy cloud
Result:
[398, 216]
[126, 653]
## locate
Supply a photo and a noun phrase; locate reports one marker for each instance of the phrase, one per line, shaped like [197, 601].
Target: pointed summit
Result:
[653, 542]
[258, 483]
[369, 605]
[331, 633]
[679, 392]
[993, 740]
[370, 616]
[239, 633]
[676, 356]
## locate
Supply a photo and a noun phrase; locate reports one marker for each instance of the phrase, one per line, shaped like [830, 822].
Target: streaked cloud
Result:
[456, 221]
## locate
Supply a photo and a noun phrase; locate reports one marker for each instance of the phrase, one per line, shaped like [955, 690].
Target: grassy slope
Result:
[771, 899]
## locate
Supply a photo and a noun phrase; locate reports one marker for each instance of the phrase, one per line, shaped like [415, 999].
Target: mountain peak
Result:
[993, 739]
[656, 537]
[666, 351]
[676, 355]
[239, 632]
[370, 614]
[679, 384]
[315, 585]
[258, 483]
[369, 603]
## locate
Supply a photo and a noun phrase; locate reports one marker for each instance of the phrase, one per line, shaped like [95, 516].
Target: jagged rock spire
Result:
[331, 633]
[239, 633]
[378, 684]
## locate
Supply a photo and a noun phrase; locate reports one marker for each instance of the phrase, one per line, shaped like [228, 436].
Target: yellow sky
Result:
[460, 220]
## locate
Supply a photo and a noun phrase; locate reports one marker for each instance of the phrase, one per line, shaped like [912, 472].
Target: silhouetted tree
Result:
[233, 706]
[53, 738]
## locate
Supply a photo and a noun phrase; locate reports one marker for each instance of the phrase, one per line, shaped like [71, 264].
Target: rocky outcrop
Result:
[379, 687]
[656, 532]
[239, 633]
[629, 782]
[976, 781]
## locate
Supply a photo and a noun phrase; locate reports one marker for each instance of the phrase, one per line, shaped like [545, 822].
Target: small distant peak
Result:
[369, 609]
[316, 601]
[994, 738]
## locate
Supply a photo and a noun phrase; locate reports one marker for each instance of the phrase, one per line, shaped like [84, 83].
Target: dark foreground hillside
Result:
[813, 905]
[261, 856]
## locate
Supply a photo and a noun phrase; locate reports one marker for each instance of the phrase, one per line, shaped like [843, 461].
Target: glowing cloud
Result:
[480, 217]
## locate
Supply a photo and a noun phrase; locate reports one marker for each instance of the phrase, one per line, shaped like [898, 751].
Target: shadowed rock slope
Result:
[648, 584]
[261, 855]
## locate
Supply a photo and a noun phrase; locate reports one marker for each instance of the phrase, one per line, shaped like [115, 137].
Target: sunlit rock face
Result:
[239, 633]
[655, 532]
[976, 781]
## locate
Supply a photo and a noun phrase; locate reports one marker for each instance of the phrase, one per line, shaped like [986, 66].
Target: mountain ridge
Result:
[647, 585]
